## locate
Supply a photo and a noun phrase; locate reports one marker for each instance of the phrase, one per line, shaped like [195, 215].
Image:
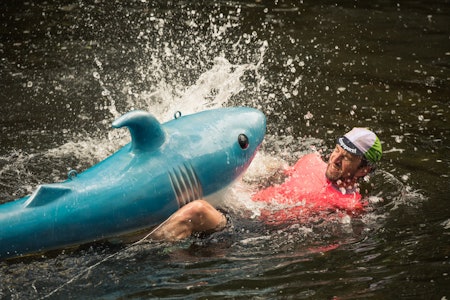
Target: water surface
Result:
[316, 69]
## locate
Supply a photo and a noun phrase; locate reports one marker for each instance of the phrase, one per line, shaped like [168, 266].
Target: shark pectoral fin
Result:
[45, 194]
[146, 131]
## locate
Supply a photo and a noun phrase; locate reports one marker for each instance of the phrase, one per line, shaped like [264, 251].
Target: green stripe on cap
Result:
[374, 153]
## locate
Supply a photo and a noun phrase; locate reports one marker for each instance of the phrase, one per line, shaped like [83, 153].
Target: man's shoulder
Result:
[309, 166]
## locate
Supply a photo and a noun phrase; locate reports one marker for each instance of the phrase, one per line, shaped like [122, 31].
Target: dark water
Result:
[316, 68]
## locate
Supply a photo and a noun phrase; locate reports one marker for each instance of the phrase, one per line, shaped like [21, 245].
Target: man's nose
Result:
[336, 158]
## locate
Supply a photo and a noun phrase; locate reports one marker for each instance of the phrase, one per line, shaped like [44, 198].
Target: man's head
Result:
[355, 156]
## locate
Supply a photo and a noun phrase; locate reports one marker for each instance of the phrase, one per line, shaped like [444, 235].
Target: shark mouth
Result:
[185, 184]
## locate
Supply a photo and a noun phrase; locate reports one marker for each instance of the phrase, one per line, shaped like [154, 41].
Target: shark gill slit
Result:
[175, 185]
[185, 184]
[197, 187]
[184, 187]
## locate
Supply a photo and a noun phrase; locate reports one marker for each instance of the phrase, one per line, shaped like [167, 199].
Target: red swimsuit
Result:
[306, 191]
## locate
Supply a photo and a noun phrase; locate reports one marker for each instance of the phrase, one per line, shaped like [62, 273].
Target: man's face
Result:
[343, 166]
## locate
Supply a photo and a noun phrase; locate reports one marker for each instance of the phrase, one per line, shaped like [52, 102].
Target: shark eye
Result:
[243, 141]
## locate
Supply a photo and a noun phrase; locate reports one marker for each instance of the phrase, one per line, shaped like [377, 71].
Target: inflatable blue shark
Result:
[164, 167]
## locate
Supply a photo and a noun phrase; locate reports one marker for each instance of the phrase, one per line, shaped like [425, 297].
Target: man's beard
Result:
[335, 175]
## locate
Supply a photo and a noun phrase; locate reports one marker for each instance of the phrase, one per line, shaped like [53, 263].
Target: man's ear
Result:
[363, 171]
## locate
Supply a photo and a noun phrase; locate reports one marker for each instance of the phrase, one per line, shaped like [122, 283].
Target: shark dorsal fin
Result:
[146, 131]
[45, 194]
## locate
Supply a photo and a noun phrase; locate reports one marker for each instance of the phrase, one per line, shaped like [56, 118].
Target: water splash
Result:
[214, 88]
[111, 107]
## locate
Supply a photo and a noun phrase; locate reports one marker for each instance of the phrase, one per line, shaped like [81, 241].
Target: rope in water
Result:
[102, 261]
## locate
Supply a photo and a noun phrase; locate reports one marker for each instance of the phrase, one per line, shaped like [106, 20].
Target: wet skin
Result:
[344, 168]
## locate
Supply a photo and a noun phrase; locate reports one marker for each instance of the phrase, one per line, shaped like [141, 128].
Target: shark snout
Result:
[256, 122]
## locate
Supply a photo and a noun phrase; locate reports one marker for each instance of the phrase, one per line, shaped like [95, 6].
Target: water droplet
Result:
[308, 116]
[398, 138]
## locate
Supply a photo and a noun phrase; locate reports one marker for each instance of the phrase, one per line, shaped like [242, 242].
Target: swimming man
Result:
[312, 185]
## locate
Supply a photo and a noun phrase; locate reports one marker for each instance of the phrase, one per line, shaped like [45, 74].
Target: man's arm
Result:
[197, 216]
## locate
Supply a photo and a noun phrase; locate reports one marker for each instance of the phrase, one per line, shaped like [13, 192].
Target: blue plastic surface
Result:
[163, 167]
